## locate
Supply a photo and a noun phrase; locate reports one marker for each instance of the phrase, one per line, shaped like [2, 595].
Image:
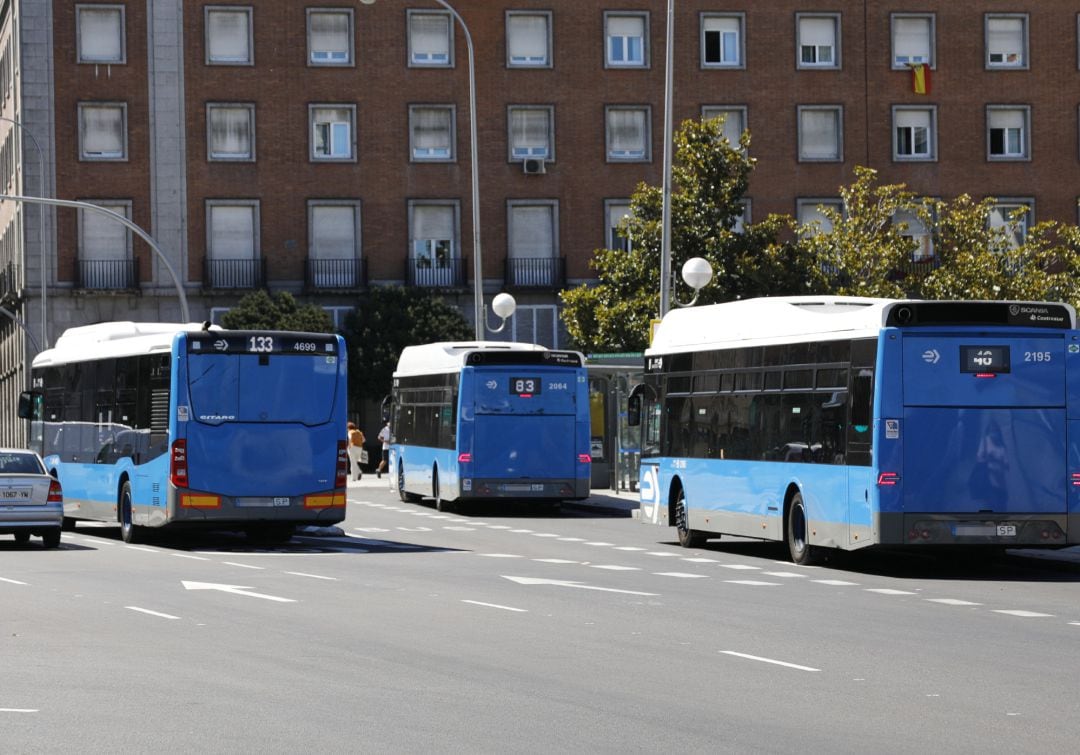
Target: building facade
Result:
[323, 148]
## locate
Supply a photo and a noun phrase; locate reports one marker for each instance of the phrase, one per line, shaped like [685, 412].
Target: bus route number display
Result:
[984, 359]
[524, 386]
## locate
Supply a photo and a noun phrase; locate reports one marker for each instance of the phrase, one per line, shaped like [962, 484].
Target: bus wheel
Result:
[129, 533]
[406, 497]
[270, 534]
[802, 552]
[688, 538]
[440, 504]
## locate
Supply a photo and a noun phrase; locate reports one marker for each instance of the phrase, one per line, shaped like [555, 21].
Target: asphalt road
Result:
[526, 631]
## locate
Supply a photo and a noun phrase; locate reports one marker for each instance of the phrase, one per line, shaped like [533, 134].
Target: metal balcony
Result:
[548, 273]
[427, 272]
[107, 275]
[347, 274]
[233, 274]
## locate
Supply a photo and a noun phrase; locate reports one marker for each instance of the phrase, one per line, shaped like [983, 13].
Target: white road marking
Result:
[12, 581]
[769, 660]
[234, 589]
[313, 576]
[888, 591]
[680, 575]
[661, 554]
[544, 534]
[140, 548]
[783, 574]
[701, 560]
[628, 548]
[415, 529]
[495, 605]
[152, 613]
[18, 710]
[577, 585]
[614, 567]
[188, 555]
[741, 567]
[1027, 614]
[521, 532]
[1074, 623]
[438, 516]
[370, 529]
[752, 582]
[569, 539]
[499, 526]
[555, 561]
[836, 583]
[499, 555]
[603, 545]
[952, 602]
[242, 566]
[458, 528]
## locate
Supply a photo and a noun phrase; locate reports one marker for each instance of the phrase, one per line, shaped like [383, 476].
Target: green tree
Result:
[709, 180]
[260, 311]
[385, 322]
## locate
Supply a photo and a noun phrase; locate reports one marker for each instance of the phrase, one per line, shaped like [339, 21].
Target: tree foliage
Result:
[260, 311]
[709, 180]
[385, 322]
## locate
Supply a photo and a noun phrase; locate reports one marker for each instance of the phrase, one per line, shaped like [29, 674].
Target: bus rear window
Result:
[262, 388]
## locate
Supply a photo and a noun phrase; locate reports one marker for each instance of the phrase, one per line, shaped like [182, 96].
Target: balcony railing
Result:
[107, 275]
[536, 272]
[426, 272]
[335, 274]
[916, 268]
[234, 273]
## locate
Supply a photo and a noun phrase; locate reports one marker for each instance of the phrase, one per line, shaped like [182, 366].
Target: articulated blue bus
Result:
[158, 424]
[490, 420]
[833, 422]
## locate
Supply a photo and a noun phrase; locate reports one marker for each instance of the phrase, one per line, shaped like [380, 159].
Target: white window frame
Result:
[1011, 204]
[208, 10]
[121, 12]
[451, 155]
[256, 247]
[931, 20]
[350, 53]
[931, 133]
[513, 154]
[436, 278]
[1024, 155]
[518, 331]
[1020, 65]
[647, 155]
[415, 58]
[923, 238]
[839, 111]
[610, 239]
[812, 203]
[835, 63]
[120, 156]
[225, 157]
[335, 279]
[740, 41]
[313, 111]
[711, 111]
[529, 62]
[609, 60]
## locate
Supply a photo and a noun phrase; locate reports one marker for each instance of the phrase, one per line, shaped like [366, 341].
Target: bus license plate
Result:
[262, 502]
[1006, 530]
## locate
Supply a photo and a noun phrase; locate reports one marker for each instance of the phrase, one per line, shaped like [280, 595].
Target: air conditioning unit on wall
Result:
[533, 166]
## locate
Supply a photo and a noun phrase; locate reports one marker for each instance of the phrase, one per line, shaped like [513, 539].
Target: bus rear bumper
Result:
[566, 489]
[199, 507]
[1004, 530]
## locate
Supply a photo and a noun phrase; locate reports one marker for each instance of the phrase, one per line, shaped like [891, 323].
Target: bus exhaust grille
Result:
[159, 410]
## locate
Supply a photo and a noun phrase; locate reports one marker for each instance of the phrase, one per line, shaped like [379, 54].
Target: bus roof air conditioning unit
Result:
[533, 166]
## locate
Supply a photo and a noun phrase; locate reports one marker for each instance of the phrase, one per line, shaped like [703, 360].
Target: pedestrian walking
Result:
[384, 436]
[356, 449]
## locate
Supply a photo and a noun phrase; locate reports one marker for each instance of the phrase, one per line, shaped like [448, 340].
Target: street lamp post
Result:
[41, 229]
[665, 215]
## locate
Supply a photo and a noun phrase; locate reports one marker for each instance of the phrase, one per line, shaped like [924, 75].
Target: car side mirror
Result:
[26, 405]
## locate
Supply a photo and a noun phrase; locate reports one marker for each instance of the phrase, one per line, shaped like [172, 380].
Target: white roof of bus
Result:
[449, 356]
[780, 319]
[113, 339]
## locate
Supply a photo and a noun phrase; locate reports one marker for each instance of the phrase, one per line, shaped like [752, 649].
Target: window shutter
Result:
[100, 35]
[430, 34]
[228, 33]
[820, 32]
[431, 129]
[911, 39]
[230, 132]
[913, 119]
[532, 235]
[528, 38]
[334, 232]
[626, 26]
[102, 237]
[529, 128]
[1004, 36]
[433, 222]
[819, 134]
[330, 33]
[232, 232]
[102, 130]
[627, 130]
[1007, 119]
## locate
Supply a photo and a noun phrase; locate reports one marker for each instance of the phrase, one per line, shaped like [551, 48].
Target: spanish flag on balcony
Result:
[920, 78]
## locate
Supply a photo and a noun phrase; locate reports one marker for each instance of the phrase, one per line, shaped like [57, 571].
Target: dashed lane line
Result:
[12, 581]
[661, 554]
[555, 561]
[19, 710]
[499, 555]
[140, 548]
[629, 548]
[787, 574]
[889, 591]
[836, 583]
[680, 575]
[312, 576]
[495, 605]
[1026, 614]
[773, 661]
[741, 567]
[952, 602]
[614, 567]
[188, 555]
[752, 583]
[242, 566]
[147, 611]
[701, 560]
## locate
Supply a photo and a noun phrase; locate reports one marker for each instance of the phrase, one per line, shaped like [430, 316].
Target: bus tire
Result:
[405, 497]
[50, 538]
[688, 538]
[796, 533]
[440, 504]
[129, 532]
[270, 534]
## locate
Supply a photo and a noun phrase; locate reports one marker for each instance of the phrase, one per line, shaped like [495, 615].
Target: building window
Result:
[232, 243]
[743, 218]
[536, 323]
[810, 214]
[431, 133]
[105, 256]
[821, 133]
[1006, 41]
[734, 120]
[528, 39]
[914, 133]
[330, 37]
[615, 213]
[230, 131]
[100, 33]
[1013, 217]
[913, 227]
[819, 40]
[229, 35]
[722, 40]
[532, 254]
[430, 40]
[103, 131]
[334, 244]
[625, 35]
[1007, 130]
[433, 240]
[628, 134]
[332, 132]
[912, 40]
[531, 133]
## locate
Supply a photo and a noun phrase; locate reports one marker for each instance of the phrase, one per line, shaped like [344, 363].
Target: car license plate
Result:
[263, 502]
[15, 495]
[1006, 530]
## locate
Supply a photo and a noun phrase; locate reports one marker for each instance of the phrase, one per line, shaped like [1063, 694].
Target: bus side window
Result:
[862, 397]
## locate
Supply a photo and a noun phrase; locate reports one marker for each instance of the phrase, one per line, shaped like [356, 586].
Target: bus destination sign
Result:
[984, 360]
[242, 342]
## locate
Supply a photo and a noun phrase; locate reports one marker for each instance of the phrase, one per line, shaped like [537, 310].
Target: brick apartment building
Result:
[323, 147]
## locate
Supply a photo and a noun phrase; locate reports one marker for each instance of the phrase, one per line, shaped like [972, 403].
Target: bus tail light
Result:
[888, 479]
[464, 458]
[341, 474]
[56, 494]
[584, 459]
[178, 467]
[1076, 478]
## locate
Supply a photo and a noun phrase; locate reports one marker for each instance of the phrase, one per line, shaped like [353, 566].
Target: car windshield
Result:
[15, 463]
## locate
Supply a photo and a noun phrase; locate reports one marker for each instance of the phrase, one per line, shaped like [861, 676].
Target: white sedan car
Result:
[31, 502]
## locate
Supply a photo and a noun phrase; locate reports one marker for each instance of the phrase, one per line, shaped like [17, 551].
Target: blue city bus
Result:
[844, 423]
[490, 420]
[156, 424]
